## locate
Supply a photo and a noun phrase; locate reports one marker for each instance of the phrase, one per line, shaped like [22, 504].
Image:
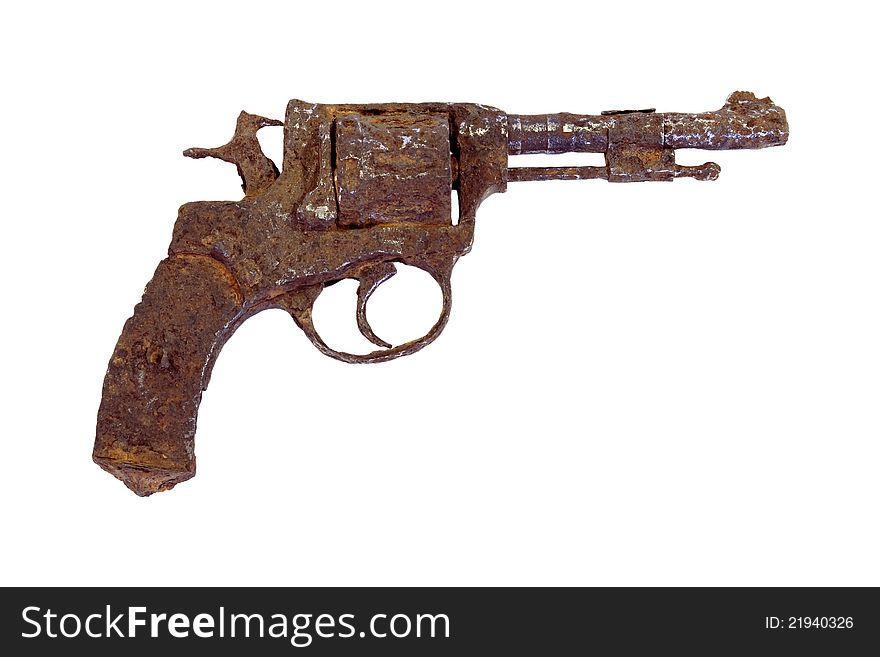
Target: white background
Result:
[640, 384]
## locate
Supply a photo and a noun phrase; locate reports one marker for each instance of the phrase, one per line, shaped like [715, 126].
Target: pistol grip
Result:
[161, 365]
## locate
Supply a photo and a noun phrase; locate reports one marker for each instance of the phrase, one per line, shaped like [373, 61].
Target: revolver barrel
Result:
[639, 144]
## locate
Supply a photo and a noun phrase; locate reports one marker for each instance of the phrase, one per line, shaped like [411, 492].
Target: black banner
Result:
[446, 621]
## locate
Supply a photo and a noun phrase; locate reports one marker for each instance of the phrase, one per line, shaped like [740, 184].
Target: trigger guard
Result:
[303, 317]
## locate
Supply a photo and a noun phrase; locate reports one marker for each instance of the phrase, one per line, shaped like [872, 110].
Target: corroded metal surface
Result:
[361, 187]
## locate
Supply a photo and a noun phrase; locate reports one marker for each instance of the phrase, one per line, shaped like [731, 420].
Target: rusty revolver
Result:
[362, 187]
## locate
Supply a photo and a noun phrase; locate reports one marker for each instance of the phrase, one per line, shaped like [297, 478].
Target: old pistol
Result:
[362, 187]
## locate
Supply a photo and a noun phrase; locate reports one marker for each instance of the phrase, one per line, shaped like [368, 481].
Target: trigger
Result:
[370, 278]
